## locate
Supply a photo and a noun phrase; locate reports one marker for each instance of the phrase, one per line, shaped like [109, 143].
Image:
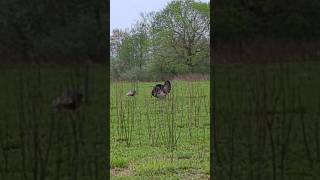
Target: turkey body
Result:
[70, 100]
[161, 90]
[131, 93]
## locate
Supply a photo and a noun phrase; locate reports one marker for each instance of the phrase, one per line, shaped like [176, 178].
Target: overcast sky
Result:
[124, 13]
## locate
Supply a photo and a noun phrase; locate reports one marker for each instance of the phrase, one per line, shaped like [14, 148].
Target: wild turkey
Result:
[160, 91]
[70, 100]
[131, 93]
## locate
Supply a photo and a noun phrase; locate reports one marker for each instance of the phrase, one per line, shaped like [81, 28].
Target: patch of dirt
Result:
[121, 172]
[194, 174]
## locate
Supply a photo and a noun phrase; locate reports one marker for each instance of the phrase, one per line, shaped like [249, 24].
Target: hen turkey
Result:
[70, 100]
[131, 93]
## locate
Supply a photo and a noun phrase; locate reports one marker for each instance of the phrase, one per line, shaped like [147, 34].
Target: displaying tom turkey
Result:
[70, 100]
[161, 90]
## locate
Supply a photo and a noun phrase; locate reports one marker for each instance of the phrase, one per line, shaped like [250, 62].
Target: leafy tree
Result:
[181, 33]
[141, 42]
[53, 31]
[116, 40]
[172, 41]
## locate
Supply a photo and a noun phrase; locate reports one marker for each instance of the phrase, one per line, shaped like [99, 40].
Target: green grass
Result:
[74, 148]
[119, 162]
[169, 139]
[267, 121]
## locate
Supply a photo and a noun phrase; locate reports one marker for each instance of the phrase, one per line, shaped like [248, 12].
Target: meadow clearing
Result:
[160, 139]
[38, 143]
[267, 121]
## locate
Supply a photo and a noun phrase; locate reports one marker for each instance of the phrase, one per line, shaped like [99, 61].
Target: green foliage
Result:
[238, 19]
[118, 162]
[155, 167]
[202, 8]
[280, 94]
[68, 143]
[161, 44]
[53, 31]
[135, 74]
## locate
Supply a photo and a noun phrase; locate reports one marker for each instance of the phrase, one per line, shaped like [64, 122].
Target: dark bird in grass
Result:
[161, 90]
[131, 93]
[70, 100]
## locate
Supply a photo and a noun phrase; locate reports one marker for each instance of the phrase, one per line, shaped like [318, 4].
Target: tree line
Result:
[172, 41]
[239, 19]
[258, 31]
[45, 31]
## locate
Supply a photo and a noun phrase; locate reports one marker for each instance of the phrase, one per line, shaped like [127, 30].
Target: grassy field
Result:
[38, 143]
[160, 139]
[267, 121]
[267, 125]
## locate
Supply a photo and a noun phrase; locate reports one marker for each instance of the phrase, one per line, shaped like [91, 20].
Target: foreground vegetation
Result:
[164, 139]
[267, 121]
[38, 143]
